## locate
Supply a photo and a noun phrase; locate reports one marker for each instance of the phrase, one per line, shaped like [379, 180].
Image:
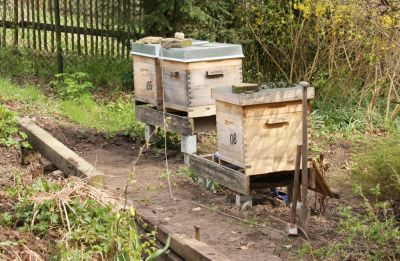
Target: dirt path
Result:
[235, 239]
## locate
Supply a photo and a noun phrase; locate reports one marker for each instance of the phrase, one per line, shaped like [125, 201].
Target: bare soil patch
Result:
[261, 236]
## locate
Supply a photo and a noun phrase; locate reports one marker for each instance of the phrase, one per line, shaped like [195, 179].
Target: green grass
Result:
[26, 94]
[108, 117]
[25, 65]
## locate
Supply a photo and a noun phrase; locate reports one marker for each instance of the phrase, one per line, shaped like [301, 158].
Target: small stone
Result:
[196, 209]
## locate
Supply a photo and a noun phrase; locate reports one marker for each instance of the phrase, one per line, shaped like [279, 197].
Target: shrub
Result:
[378, 162]
[72, 86]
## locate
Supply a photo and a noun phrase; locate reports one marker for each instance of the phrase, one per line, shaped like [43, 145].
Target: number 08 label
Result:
[233, 139]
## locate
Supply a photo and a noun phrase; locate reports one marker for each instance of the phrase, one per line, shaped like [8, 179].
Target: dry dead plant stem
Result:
[268, 53]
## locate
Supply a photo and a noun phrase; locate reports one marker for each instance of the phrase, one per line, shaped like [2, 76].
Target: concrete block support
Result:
[244, 201]
[149, 133]
[188, 146]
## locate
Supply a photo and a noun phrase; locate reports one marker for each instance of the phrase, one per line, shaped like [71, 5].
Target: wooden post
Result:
[15, 22]
[304, 164]
[112, 27]
[91, 27]
[4, 23]
[65, 24]
[96, 8]
[85, 40]
[22, 18]
[58, 36]
[108, 28]
[102, 27]
[28, 31]
[51, 22]
[45, 22]
[34, 24]
[37, 24]
[78, 24]
[296, 183]
[71, 19]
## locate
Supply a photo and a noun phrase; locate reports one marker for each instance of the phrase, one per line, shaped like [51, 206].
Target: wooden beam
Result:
[224, 176]
[155, 117]
[72, 29]
[60, 155]
[188, 248]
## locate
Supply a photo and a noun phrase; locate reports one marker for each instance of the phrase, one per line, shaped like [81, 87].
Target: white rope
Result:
[165, 122]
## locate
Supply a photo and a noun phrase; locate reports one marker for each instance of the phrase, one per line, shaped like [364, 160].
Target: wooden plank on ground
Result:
[155, 117]
[226, 177]
[60, 155]
[188, 248]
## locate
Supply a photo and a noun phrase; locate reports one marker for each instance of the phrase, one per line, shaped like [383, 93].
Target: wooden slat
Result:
[65, 24]
[78, 24]
[28, 31]
[85, 40]
[22, 18]
[34, 24]
[112, 27]
[226, 177]
[52, 39]
[102, 12]
[155, 117]
[15, 22]
[45, 22]
[107, 25]
[91, 21]
[38, 21]
[71, 19]
[4, 39]
[96, 6]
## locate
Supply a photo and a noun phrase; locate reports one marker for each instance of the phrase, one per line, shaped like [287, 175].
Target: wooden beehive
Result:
[259, 131]
[147, 80]
[187, 85]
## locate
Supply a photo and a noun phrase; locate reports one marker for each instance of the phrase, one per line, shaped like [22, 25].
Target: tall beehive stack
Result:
[259, 131]
[184, 77]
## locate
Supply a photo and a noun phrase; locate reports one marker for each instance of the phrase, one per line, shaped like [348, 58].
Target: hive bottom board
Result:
[234, 179]
[174, 121]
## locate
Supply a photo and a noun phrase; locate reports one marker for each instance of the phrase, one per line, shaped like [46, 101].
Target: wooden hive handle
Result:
[277, 121]
[175, 75]
[214, 74]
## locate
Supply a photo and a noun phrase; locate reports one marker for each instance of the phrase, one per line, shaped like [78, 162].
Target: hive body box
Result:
[187, 85]
[259, 132]
[147, 80]
[183, 77]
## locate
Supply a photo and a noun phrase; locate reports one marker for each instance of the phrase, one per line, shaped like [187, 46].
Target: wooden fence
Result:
[84, 27]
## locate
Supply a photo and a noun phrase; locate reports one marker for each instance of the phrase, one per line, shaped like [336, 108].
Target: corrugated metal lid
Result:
[203, 52]
[199, 51]
[153, 50]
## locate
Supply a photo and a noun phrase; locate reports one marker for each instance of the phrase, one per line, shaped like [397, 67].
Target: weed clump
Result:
[378, 162]
[9, 133]
[370, 232]
[85, 223]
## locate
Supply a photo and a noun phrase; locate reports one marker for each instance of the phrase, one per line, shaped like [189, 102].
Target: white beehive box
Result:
[189, 74]
[147, 72]
[259, 131]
